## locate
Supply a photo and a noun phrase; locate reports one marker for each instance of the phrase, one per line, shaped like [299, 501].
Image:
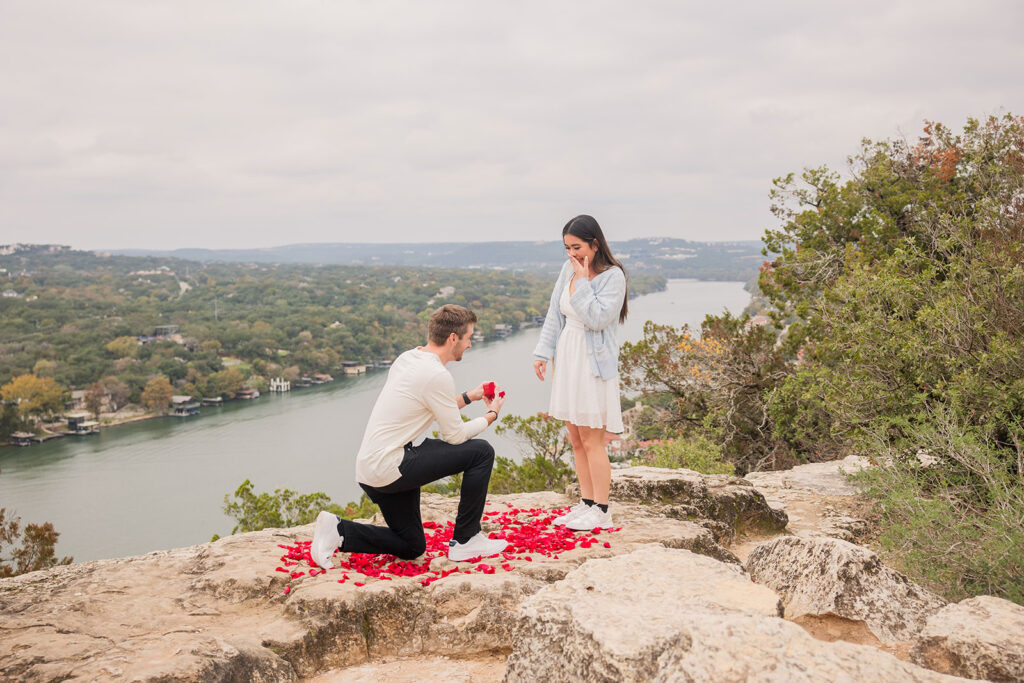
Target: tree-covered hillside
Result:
[77, 317]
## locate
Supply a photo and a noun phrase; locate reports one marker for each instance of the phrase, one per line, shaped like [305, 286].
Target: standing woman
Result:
[579, 339]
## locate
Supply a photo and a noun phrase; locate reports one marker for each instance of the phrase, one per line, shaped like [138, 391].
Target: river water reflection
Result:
[160, 483]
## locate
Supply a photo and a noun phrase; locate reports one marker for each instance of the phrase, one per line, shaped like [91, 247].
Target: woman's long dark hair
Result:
[587, 229]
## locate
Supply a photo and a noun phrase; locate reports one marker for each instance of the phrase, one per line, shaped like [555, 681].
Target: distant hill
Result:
[666, 256]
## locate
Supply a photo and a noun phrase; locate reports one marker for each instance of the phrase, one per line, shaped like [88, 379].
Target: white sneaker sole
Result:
[324, 545]
[457, 555]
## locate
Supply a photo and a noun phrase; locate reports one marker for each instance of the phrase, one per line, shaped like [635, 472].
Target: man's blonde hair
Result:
[446, 320]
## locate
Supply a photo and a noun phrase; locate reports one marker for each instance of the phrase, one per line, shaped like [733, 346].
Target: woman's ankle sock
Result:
[603, 506]
[589, 502]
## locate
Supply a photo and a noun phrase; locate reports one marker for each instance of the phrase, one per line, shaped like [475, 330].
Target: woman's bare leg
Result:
[579, 456]
[598, 466]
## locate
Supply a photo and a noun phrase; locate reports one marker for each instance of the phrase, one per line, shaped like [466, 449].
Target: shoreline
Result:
[116, 422]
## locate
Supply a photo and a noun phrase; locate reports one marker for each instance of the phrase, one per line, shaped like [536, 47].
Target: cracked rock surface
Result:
[694, 619]
[218, 611]
[667, 600]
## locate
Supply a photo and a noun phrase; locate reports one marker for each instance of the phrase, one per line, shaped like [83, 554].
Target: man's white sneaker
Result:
[478, 546]
[326, 539]
[574, 512]
[592, 519]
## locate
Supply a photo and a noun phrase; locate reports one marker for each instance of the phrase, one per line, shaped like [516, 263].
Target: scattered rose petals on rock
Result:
[528, 532]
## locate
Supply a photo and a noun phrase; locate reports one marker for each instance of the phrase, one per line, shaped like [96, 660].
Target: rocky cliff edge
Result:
[664, 596]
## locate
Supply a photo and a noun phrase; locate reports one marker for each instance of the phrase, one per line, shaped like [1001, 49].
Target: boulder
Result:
[981, 637]
[660, 614]
[822, 575]
[685, 494]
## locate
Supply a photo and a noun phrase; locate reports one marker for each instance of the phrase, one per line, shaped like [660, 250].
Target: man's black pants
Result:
[399, 501]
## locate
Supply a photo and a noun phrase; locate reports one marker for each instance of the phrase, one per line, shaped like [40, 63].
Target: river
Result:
[160, 483]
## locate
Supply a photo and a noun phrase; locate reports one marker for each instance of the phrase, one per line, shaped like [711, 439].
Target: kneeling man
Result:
[420, 390]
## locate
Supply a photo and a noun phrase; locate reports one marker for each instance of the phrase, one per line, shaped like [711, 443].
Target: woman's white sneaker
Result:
[326, 539]
[574, 512]
[593, 518]
[477, 546]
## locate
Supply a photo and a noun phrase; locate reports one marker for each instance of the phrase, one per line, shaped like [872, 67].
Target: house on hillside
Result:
[77, 401]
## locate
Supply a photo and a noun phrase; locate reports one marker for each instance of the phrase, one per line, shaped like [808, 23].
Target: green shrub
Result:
[286, 508]
[449, 486]
[538, 473]
[721, 382]
[538, 434]
[952, 513]
[697, 453]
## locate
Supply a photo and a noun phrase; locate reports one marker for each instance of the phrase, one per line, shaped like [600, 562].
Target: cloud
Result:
[127, 124]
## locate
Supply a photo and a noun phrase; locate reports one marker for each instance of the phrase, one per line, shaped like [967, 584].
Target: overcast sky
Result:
[253, 124]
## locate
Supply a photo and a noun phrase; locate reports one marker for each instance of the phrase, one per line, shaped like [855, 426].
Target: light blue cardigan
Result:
[598, 303]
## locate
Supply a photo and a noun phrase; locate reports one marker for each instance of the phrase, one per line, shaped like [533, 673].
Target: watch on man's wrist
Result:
[465, 397]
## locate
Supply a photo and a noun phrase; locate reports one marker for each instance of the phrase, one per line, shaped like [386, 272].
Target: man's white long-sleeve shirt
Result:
[419, 391]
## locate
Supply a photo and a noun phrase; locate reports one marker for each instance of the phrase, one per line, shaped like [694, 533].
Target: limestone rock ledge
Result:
[660, 614]
[822, 576]
[728, 506]
[666, 601]
[218, 611]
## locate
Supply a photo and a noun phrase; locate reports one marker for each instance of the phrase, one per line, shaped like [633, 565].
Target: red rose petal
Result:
[528, 532]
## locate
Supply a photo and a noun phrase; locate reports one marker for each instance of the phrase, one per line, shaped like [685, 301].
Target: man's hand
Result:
[494, 404]
[540, 367]
[476, 393]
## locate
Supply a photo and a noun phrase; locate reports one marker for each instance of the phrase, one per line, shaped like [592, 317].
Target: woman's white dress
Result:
[577, 394]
